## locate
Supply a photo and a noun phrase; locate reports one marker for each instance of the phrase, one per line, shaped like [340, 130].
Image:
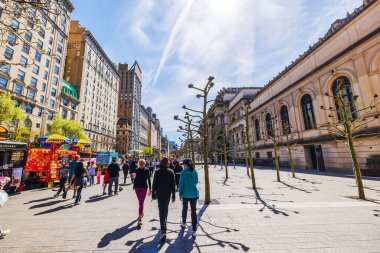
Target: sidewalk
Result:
[310, 213]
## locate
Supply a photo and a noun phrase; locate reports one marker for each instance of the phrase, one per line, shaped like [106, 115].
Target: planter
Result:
[370, 172]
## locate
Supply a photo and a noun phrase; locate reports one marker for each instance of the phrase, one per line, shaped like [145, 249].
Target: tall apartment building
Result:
[154, 137]
[34, 61]
[144, 127]
[90, 70]
[129, 101]
[69, 101]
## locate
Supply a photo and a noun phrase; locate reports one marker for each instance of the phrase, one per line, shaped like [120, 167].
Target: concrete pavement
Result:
[310, 213]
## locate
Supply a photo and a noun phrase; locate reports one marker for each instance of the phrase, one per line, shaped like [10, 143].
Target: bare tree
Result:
[246, 109]
[348, 124]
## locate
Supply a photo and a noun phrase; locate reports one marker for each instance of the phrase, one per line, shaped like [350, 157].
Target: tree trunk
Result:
[250, 151]
[276, 161]
[225, 155]
[205, 152]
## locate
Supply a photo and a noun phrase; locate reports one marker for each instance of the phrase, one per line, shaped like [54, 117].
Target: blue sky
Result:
[177, 42]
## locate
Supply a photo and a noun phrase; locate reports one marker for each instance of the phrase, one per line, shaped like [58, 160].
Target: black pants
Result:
[193, 206]
[163, 208]
[62, 182]
[125, 176]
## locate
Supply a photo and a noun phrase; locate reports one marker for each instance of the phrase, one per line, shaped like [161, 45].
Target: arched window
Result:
[346, 91]
[257, 130]
[269, 123]
[307, 112]
[285, 120]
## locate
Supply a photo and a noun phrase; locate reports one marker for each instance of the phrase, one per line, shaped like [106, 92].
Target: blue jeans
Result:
[92, 179]
[79, 192]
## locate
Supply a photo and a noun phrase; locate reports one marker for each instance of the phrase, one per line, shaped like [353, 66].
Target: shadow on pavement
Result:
[295, 188]
[271, 208]
[38, 200]
[55, 209]
[213, 236]
[51, 203]
[117, 234]
[96, 198]
[153, 246]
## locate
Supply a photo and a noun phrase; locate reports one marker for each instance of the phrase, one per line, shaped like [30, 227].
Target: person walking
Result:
[126, 169]
[79, 181]
[91, 172]
[63, 175]
[105, 180]
[113, 174]
[188, 193]
[163, 191]
[140, 185]
[72, 167]
[3, 200]
[98, 175]
[177, 170]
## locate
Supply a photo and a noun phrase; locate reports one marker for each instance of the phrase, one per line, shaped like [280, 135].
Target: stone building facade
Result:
[129, 100]
[144, 127]
[350, 51]
[34, 55]
[90, 70]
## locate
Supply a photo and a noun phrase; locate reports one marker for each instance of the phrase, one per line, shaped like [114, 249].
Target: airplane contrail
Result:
[169, 43]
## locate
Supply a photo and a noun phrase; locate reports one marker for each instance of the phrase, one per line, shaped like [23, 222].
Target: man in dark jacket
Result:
[164, 190]
[113, 174]
[125, 170]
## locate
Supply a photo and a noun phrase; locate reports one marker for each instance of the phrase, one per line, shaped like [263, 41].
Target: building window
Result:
[41, 32]
[28, 108]
[5, 68]
[39, 113]
[11, 39]
[73, 106]
[346, 91]
[56, 70]
[47, 63]
[72, 117]
[42, 99]
[28, 35]
[257, 130]
[37, 56]
[269, 124]
[21, 75]
[31, 94]
[59, 48]
[3, 82]
[8, 53]
[51, 41]
[64, 113]
[307, 112]
[26, 48]
[269, 154]
[44, 21]
[52, 103]
[38, 125]
[58, 59]
[33, 81]
[60, 38]
[18, 88]
[285, 120]
[23, 61]
[46, 74]
[65, 102]
[36, 69]
[53, 92]
[43, 87]
[55, 80]
[15, 25]
[50, 115]
[40, 44]
[49, 51]
[257, 155]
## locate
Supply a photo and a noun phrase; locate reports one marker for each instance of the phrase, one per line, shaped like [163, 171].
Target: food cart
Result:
[12, 162]
[45, 157]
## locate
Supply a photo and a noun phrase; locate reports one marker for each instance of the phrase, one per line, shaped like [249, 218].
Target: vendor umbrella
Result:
[82, 143]
[54, 138]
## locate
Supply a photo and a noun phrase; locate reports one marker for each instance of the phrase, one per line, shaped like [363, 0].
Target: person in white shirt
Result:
[91, 172]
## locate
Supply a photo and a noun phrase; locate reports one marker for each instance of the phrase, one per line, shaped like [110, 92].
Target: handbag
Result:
[3, 197]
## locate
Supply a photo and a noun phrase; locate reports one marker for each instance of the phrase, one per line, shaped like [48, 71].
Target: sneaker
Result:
[163, 237]
[116, 193]
[4, 233]
[104, 193]
[194, 234]
[183, 225]
[64, 195]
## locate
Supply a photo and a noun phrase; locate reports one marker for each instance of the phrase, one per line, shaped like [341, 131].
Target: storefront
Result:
[12, 162]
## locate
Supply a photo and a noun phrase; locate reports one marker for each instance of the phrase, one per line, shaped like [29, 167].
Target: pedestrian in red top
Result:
[105, 180]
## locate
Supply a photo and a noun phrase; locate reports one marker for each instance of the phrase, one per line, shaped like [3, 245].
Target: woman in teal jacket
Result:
[188, 192]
